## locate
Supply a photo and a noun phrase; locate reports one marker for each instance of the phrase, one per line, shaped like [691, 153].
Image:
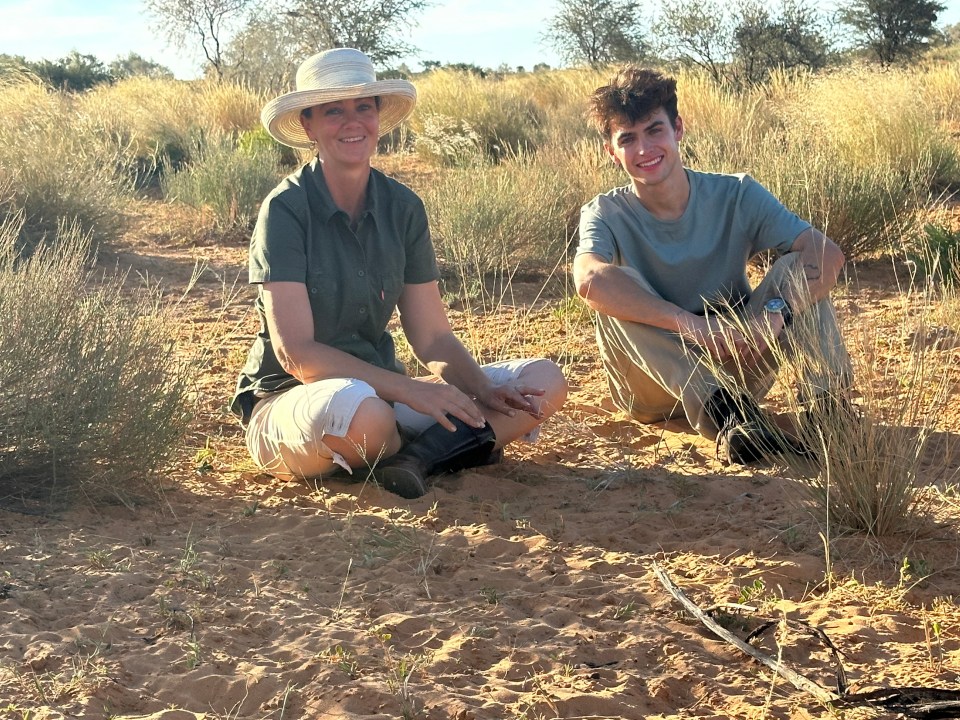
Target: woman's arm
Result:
[290, 322]
[428, 331]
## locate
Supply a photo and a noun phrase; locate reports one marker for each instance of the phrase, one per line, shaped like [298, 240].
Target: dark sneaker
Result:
[745, 436]
[748, 442]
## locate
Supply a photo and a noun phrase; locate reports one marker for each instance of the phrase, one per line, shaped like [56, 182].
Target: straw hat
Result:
[339, 74]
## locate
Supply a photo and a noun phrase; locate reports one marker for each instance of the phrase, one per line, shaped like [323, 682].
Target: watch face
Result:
[775, 305]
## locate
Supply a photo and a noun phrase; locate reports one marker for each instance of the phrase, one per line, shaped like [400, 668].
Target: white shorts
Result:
[286, 429]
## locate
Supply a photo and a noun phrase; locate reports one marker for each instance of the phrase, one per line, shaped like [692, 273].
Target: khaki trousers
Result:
[654, 375]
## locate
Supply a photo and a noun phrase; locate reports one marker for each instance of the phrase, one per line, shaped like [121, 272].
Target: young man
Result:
[663, 262]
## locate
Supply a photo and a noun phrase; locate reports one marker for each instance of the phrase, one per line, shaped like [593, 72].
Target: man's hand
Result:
[724, 341]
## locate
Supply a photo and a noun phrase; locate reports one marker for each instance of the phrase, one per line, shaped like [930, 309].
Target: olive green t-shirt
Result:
[353, 279]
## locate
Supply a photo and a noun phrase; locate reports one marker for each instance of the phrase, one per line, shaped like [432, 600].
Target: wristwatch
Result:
[781, 307]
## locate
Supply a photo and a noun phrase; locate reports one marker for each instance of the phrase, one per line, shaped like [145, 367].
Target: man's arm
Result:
[821, 260]
[609, 290]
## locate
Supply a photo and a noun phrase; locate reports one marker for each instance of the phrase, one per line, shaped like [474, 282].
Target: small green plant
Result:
[491, 595]
[194, 655]
[99, 559]
[345, 660]
[573, 311]
[625, 611]
[913, 570]
[204, 458]
[752, 592]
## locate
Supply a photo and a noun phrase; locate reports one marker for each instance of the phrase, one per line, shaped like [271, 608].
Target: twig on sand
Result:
[795, 679]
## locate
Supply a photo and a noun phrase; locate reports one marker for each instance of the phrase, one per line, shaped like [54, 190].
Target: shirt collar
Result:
[328, 208]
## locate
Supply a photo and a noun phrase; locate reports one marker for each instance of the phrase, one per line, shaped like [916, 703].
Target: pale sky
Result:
[482, 32]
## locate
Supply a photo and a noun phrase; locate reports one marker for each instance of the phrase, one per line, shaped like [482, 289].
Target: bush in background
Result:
[96, 399]
[227, 179]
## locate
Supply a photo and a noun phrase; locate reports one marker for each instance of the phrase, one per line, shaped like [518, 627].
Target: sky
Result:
[487, 33]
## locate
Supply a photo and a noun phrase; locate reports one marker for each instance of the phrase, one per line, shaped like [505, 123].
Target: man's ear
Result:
[678, 127]
[613, 156]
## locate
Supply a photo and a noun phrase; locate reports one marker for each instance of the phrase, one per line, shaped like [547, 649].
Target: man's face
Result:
[649, 149]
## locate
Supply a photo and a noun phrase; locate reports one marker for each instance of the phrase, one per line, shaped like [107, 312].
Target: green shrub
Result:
[95, 397]
[231, 182]
[936, 254]
[259, 140]
[500, 218]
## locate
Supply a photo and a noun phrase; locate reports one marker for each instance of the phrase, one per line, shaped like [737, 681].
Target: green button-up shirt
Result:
[353, 279]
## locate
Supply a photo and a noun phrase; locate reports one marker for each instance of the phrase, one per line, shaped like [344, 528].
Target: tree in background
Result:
[597, 31]
[206, 20]
[265, 53]
[375, 27]
[743, 44]
[134, 64]
[892, 29]
[75, 72]
[698, 32]
[762, 42]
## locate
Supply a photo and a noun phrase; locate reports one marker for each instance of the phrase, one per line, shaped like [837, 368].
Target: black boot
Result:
[434, 451]
[745, 435]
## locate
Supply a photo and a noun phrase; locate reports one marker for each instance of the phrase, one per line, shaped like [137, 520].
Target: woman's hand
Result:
[509, 398]
[438, 399]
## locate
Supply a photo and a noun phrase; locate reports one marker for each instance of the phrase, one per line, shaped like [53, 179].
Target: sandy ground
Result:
[524, 590]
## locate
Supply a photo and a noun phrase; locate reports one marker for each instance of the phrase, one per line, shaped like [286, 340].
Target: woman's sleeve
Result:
[421, 259]
[278, 244]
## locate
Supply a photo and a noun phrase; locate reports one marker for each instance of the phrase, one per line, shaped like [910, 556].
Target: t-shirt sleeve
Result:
[421, 259]
[770, 225]
[595, 234]
[278, 244]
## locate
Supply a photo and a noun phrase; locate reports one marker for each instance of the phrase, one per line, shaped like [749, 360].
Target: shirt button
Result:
[361, 273]
[313, 290]
[355, 336]
[363, 311]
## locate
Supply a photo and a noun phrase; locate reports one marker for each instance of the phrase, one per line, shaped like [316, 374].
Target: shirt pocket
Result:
[391, 285]
[326, 303]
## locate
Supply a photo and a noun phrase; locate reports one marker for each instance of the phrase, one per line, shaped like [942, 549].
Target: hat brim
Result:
[281, 116]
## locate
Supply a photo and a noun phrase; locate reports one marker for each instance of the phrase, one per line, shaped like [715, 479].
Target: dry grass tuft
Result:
[96, 402]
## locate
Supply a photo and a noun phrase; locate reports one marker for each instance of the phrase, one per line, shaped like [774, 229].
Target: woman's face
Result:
[345, 131]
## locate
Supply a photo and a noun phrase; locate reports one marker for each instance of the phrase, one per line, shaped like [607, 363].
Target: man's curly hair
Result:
[634, 94]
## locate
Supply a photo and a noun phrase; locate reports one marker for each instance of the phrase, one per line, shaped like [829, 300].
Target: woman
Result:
[337, 247]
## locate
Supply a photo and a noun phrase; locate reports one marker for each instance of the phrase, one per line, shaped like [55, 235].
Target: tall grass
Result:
[874, 463]
[516, 215]
[95, 397]
[875, 444]
[51, 170]
[504, 116]
[158, 125]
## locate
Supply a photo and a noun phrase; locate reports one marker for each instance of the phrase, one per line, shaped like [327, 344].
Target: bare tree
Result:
[597, 31]
[699, 32]
[264, 54]
[376, 27]
[206, 20]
